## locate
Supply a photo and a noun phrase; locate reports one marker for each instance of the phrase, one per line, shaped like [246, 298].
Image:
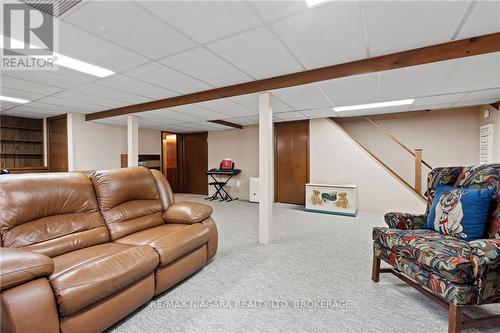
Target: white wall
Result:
[242, 146]
[448, 138]
[336, 159]
[93, 146]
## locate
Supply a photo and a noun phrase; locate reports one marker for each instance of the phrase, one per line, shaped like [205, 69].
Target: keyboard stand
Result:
[220, 191]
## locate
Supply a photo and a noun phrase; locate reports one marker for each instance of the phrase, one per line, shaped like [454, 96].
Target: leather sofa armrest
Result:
[187, 212]
[404, 221]
[485, 256]
[19, 266]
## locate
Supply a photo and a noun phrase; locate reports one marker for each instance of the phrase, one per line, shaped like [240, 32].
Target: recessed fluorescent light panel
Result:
[313, 3]
[13, 99]
[373, 105]
[68, 62]
[81, 66]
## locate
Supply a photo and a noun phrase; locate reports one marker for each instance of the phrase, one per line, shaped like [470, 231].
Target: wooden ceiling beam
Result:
[440, 52]
[496, 105]
[226, 123]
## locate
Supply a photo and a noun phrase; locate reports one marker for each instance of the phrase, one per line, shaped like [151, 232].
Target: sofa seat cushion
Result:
[84, 277]
[444, 255]
[170, 241]
[458, 293]
[399, 239]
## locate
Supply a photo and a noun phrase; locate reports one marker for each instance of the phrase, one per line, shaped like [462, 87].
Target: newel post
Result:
[418, 170]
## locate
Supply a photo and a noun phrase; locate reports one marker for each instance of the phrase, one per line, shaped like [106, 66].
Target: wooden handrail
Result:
[402, 145]
[378, 160]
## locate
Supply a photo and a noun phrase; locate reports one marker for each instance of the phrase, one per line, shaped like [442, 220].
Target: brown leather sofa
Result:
[78, 253]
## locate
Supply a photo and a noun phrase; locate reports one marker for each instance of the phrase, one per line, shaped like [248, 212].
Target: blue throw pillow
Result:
[460, 212]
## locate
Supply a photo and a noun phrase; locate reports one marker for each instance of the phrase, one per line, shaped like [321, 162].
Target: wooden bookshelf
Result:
[21, 143]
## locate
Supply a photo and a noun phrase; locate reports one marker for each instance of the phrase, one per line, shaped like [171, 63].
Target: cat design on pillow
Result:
[449, 214]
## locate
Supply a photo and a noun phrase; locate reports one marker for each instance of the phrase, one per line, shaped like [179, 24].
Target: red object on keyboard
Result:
[226, 164]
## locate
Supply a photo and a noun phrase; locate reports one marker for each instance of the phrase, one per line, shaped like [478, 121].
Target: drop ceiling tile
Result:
[421, 80]
[227, 107]
[251, 101]
[173, 114]
[484, 19]
[110, 93]
[20, 94]
[198, 112]
[325, 35]
[69, 104]
[358, 89]
[274, 10]
[207, 67]
[41, 112]
[302, 97]
[134, 86]
[252, 120]
[475, 102]
[24, 114]
[473, 73]
[483, 94]
[258, 53]
[206, 20]
[128, 24]
[435, 106]
[438, 99]
[62, 108]
[88, 99]
[160, 116]
[216, 127]
[395, 26]
[292, 115]
[167, 78]
[319, 113]
[81, 45]
[7, 105]
[13, 83]
[61, 77]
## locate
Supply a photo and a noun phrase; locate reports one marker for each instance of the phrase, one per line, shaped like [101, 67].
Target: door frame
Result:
[275, 143]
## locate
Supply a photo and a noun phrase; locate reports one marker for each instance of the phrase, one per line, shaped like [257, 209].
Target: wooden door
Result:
[291, 161]
[169, 159]
[192, 158]
[57, 130]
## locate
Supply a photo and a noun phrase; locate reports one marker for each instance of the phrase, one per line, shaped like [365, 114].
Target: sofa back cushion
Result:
[128, 199]
[51, 213]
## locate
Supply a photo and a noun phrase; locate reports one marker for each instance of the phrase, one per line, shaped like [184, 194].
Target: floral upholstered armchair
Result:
[452, 271]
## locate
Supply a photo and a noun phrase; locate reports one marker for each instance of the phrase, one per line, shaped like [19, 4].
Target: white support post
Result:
[266, 168]
[133, 140]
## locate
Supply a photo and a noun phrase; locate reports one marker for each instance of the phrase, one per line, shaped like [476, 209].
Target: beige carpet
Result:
[314, 277]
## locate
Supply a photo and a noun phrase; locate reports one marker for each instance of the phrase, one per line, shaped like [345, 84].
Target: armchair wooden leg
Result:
[376, 269]
[454, 318]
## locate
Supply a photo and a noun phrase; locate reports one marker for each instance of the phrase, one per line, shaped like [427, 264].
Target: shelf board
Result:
[22, 128]
[13, 140]
[24, 154]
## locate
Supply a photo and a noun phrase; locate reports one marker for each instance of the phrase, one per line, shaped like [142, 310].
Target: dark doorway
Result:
[57, 130]
[169, 158]
[291, 161]
[185, 161]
